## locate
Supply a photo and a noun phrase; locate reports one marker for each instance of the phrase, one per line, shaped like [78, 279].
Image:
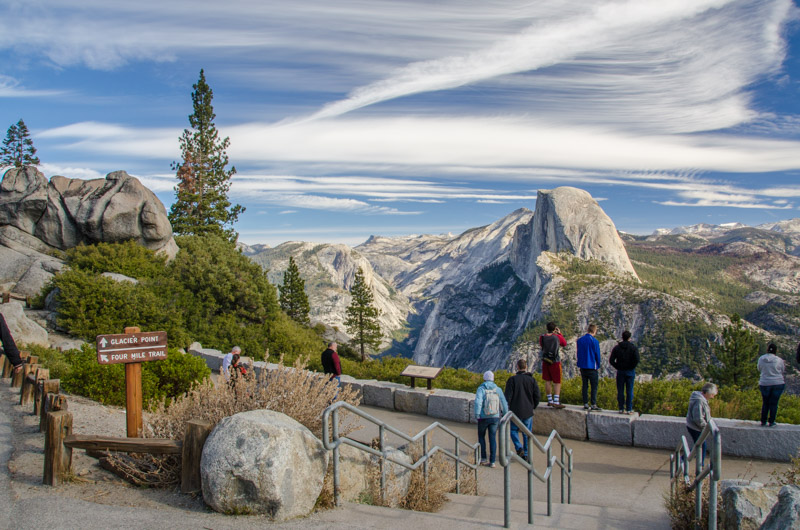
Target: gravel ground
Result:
[91, 482]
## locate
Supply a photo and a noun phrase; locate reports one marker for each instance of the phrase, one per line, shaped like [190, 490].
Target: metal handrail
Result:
[505, 461]
[679, 470]
[331, 442]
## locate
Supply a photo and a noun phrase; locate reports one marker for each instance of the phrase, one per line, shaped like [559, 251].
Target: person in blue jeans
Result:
[589, 362]
[522, 396]
[771, 384]
[625, 357]
[490, 406]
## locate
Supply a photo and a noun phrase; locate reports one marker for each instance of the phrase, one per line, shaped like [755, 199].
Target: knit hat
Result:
[488, 376]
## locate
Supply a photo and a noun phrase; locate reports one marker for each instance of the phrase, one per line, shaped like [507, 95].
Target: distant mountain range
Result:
[478, 300]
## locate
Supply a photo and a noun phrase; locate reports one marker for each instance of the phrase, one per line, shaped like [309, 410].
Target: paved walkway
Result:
[609, 476]
[613, 484]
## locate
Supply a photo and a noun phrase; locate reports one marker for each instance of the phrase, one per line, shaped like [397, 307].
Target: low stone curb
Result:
[610, 428]
[413, 401]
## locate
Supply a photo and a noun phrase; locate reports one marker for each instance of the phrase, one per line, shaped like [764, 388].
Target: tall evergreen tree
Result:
[294, 300]
[18, 150]
[736, 356]
[202, 204]
[362, 316]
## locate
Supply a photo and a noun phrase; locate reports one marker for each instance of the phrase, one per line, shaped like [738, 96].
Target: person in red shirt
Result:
[550, 343]
[330, 362]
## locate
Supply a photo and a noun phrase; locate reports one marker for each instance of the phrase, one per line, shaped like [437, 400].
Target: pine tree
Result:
[18, 150]
[736, 356]
[294, 300]
[362, 316]
[202, 204]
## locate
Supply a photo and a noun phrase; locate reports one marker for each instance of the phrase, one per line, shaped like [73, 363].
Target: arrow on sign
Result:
[104, 358]
[103, 342]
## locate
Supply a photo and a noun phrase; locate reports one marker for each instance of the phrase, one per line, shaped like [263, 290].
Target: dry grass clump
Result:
[300, 394]
[145, 470]
[788, 476]
[422, 495]
[294, 391]
[680, 508]
[431, 496]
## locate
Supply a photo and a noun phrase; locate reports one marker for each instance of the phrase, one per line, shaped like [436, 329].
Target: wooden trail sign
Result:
[423, 372]
[132, 347]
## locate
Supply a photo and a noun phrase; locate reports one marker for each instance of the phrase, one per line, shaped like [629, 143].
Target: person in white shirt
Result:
[225, 370]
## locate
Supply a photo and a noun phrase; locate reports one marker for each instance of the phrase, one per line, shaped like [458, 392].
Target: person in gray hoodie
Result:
[771, 384]
[700, 413]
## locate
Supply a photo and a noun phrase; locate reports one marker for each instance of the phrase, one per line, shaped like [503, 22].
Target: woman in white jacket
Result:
[771, 384]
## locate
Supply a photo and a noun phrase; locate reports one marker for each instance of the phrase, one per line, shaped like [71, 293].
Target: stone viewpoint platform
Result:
[747, 439]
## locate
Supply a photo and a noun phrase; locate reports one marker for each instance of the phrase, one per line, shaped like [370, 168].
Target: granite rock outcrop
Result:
[38, 218]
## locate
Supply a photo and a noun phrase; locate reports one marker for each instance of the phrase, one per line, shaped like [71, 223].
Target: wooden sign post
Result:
[132, 348]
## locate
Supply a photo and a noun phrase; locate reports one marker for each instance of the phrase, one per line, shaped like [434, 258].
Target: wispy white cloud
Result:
[710, 203]
[12, 88]
[84, 173]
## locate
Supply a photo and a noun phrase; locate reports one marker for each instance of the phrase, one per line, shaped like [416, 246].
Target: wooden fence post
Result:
[28, 383]
[57, 457]
[42, 374]
[19, 376]
[193, 441]
[52, 403]
[7, 367]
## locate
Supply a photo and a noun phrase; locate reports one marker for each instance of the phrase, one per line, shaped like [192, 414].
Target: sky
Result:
[360, 117]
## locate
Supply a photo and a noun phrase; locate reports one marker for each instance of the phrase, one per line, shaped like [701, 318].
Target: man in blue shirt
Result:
[589, 363]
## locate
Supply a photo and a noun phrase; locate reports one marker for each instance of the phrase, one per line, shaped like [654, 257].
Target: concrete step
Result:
[465, 512]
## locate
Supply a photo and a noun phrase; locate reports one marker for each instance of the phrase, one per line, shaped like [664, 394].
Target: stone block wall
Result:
[739, 438]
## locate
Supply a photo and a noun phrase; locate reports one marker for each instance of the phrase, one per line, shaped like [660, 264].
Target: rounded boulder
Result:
[262, 462]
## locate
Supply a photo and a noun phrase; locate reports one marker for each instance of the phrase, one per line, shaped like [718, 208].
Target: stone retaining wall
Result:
[739, 438]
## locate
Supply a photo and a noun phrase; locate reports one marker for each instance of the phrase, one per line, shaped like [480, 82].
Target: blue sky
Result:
[361, 117]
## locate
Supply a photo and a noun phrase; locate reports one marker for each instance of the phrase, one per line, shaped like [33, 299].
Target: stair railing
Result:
[679, 470]
[507, 456]
[331, 440]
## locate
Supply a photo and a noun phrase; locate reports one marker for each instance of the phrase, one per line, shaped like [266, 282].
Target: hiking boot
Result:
[595, 407]
[521, 453]
[558, 406]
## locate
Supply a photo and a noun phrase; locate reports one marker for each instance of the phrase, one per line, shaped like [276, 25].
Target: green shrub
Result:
[81, 374]
[209, 293]
[91, 305]
[128, 258]
[178, 374]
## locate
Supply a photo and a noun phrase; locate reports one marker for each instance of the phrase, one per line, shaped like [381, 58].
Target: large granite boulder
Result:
[745, 504]
[786, 512]
[23, 329]
[40, 218]
[262, 462]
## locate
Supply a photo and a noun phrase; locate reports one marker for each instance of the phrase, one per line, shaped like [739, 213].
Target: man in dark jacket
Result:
[330, 362]
[625, 357]
[9, 346]
[522, 394]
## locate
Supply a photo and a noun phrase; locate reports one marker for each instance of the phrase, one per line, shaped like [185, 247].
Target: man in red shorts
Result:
[551, 342]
